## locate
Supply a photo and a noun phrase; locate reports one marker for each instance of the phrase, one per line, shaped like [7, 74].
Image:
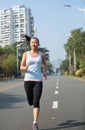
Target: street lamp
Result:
[18, 45]
[74, 61]
[67, 5]
[69, 63]
[69, 60]
[80, 9]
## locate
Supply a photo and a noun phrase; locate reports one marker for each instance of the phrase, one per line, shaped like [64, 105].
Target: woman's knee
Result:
[30, 102]
[36, 103]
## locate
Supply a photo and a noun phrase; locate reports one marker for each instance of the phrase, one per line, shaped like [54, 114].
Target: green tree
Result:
[76, 42]
[9, 65]
[49, 67]
[9, 49]
[45, 51]
[1, 51]
[64, 66]
[1, 57]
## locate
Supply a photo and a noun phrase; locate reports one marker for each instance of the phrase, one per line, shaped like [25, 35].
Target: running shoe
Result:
[35, 126]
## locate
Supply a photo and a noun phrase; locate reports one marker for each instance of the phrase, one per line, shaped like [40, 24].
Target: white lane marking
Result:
[52, 118]
[56, 92]
[56, 86]
[55, 105]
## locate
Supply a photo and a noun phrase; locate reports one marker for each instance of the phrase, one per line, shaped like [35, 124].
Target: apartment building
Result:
[15, 22]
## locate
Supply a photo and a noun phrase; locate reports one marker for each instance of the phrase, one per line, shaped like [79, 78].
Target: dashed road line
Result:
[52, 118]
[57, 86]
[55, 105]
[56, 92]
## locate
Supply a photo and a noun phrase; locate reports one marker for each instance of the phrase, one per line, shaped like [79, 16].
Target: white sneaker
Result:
[35, 126]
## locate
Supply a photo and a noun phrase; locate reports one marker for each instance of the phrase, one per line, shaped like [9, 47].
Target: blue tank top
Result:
[33, 73]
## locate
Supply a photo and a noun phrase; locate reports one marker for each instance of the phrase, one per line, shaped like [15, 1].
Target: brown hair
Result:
[35, 38]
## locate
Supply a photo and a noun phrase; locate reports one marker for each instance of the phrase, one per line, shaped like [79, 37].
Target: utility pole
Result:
[18, 45]
[74, 61]
[69, 63]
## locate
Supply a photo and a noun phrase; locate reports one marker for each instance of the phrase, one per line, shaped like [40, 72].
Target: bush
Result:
[80, 72]
[66, 73]
[1, 75]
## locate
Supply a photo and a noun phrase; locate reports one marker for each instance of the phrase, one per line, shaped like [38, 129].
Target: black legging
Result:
[33, 91]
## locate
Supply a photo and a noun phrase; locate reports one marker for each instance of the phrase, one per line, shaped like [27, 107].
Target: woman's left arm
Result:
[44, 66]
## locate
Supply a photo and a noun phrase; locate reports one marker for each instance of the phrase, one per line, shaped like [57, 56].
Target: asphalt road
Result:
[62, 105]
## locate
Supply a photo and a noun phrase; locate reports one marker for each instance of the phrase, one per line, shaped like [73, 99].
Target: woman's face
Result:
[34, 44]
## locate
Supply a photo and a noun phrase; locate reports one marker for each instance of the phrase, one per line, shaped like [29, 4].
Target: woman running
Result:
[31, 63]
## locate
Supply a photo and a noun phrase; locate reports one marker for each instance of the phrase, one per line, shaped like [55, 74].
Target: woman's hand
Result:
[44, 75]
[26, 67]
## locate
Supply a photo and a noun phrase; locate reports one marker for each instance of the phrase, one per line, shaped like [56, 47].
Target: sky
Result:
[54, 22]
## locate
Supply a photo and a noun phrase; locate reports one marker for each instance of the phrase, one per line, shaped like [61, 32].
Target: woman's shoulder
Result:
[25, 53]
[42, 54]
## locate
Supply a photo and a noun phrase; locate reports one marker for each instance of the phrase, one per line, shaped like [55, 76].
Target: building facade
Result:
[14, 23]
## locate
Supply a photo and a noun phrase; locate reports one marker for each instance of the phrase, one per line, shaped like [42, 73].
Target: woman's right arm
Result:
[23, 65]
